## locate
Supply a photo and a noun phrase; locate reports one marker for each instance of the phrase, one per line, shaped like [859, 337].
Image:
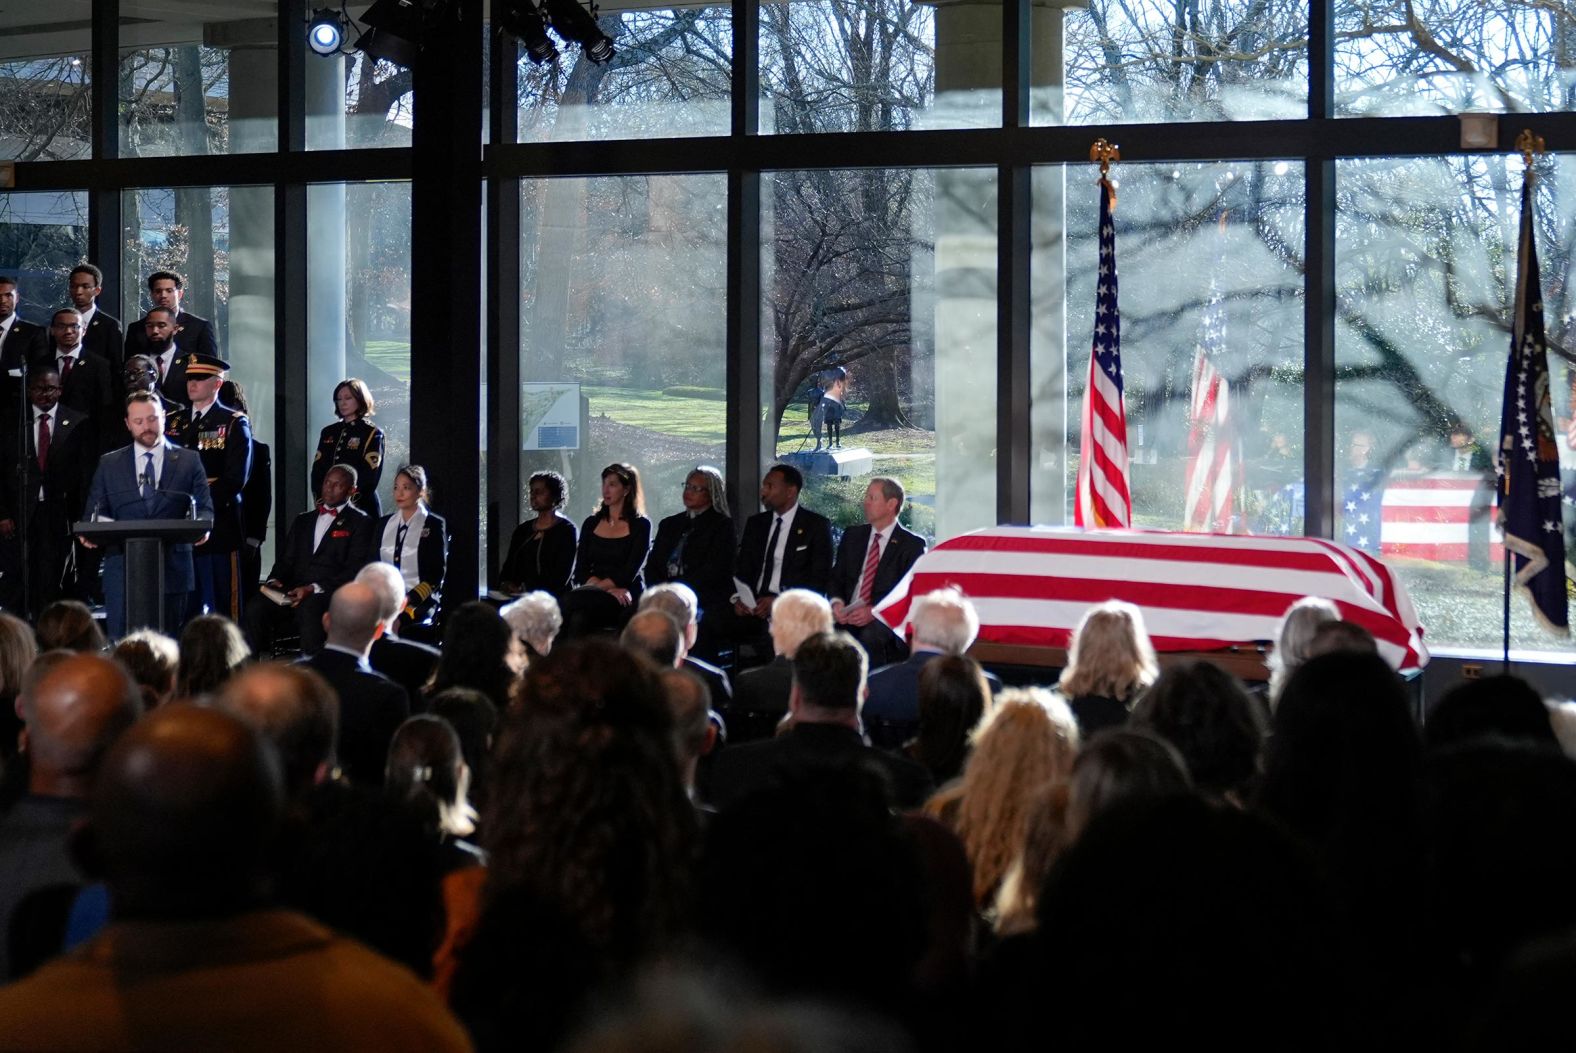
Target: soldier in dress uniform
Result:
[222, 437]
[355, 441]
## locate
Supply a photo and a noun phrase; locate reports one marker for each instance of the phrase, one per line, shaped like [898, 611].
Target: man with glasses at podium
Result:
[150, 479]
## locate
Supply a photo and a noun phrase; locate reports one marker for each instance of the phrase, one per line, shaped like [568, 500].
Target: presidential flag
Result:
[1527, 460]
[1214, 467]
[1103, 497]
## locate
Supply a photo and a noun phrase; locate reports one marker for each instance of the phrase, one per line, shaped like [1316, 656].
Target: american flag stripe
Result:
[1102, 497]
[1214, 468]
[1197, 591]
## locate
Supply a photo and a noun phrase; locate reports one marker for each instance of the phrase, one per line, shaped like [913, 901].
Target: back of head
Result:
[355, 613]
[74, 706]
[1110, 654]
[1331, 637]
[1120, 765]
[1207, 715]
[1293, 636]
[945, 619]
[389, 584]
[476, 643]
[656, 635]
[184, 813]
[212, 648]
[153, 660]
[829, 673]
[796, 615]
[18, 648]
[426, 769]
[295, 709]
[68, 625]
[690, 701]
[474, 719]
[1504, 707]
[953, 697]
[535, 618]
[673, 598]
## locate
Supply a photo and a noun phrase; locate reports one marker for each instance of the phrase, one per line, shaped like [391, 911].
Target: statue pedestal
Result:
[844, 463]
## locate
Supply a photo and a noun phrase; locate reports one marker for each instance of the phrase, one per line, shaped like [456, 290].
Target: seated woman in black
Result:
[416, 540]
[695, 547]
[541, 550]
[611, 561]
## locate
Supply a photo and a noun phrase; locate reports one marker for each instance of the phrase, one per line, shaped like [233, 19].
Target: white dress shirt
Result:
[776, 584]
[138, 456]
[320, 528]
[407, 557]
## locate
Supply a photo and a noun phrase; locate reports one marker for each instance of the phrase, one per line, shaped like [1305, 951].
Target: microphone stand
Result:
[24, 496]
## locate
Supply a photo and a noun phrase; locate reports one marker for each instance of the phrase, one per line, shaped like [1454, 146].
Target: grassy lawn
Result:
[699, 420]
[391, 356]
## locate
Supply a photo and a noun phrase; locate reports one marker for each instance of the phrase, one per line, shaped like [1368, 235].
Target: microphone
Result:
[191, 502]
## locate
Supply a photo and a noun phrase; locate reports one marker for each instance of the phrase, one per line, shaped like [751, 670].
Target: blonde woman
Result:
[1027, 742]
[1292, 637]
[1110, 661]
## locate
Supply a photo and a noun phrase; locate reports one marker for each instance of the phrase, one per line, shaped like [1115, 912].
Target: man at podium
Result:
[150, 479]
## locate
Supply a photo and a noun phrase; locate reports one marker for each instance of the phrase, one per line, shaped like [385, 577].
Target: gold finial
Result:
[1105, 152]
[1530, 146]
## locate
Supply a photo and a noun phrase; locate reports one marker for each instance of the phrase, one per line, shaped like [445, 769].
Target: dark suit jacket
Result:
[223, 439]
[432, 564]
[257, 496]
[24, 343]
[742, 770]
[195, 337]
[350, 544]
[892, 707]
[902, 549]
[715, 679]
[94, 390]
[406, 662]
[765, 688]
[706, 562]
[68, 470]
[371, 709]
[104, 338]
[807, 558]
[115, 492]
[546, 564]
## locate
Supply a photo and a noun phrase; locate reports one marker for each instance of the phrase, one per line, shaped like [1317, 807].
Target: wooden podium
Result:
[144, 542]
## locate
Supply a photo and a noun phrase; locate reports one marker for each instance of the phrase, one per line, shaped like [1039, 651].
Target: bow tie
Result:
[324, 510]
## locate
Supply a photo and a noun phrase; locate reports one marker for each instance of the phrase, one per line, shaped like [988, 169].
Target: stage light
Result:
[574, 22]
[395, 33]
[325, 31]
[524, 21]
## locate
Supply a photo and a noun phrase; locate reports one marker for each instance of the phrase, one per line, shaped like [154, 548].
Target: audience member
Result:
[1026, 742]
[785, 547]
[1334, 637]
[827, 690]
[72, 707]
[694, 731]
[656, 635]
[297, 710]
[680, 602]
[589, 839]
[944, 622]
[212, 649]
[871, 559]
[695, 548]
[182, 819]
[371, 705]
[610, 563]
[953, 696]
[474, 719]
[415, 540]
[1504, 707]
[18, 648]
[760, 696]
[1292, 638]
[355, 442]
[426, 769]
[1212, 721]
[153, 660]
[535, 619]
[541, 552]
[408, 663]
[1110, 661]
[479, 651]
[68, 625]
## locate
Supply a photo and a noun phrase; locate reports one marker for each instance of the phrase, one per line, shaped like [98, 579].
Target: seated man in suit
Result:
[406, 662]
[322, 551]
[785, 547]
[872, 558]
[828, 687]
[150, 479]
[760, 695]
[943, 622]
[371, 706]
[56, 455]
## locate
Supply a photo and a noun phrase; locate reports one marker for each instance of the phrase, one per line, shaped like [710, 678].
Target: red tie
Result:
[43, 442]
[66, 362]
[324, 510]
[868, 580]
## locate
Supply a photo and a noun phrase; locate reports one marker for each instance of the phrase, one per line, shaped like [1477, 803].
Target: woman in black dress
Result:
[352, 440]
[416, 540]
[541, 550]
[610, 564]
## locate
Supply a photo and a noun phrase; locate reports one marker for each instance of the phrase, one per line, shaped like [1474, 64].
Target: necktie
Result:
[43, 442]
[159, 361]
[769, 564]
[867, 581]
[399, 541]
[66, 362]
[147, 476]
[324, 510]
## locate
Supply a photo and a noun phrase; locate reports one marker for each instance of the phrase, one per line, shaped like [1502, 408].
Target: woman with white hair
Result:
[1292, 637]
[760, 696]
[535, 619]
[1110, 662]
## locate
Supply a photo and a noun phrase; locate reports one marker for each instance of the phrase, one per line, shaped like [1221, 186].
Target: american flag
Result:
[1214, 468]
[1362, 508]
[1198, 592]
[1103, 498]
[1528, 461]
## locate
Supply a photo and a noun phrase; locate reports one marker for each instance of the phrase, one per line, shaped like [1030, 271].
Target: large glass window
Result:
[1209, 268]
[1425, 268]
[1404, 57]
[879, 295]
[1149, 60]
[622, 335]
[194, 87]
[45, 67]
[359, 290]
[669, 77]
[42, 236]
[879, 65]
